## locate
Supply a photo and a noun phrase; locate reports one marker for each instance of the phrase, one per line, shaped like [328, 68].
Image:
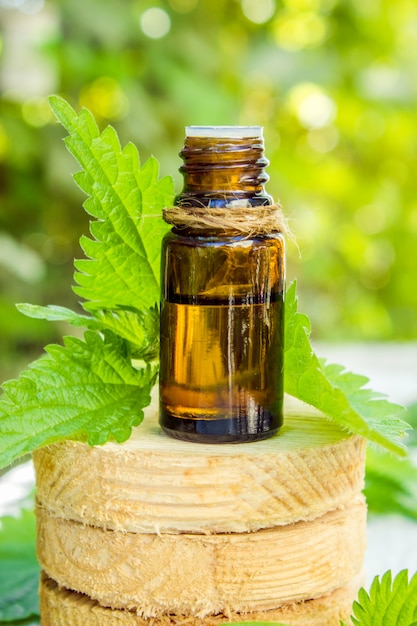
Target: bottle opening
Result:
[224, 132]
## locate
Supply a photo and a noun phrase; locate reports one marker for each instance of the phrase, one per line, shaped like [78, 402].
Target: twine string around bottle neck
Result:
[240, 219]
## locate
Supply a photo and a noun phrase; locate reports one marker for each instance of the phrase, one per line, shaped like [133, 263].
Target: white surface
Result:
[15, 489]
[392, 544]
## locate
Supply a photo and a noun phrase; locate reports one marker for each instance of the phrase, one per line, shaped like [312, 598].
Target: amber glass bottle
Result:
[221, 375]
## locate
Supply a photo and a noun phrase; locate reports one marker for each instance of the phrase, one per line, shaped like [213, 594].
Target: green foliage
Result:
[89, 389]
[31, 621]
[390, 484]
[388, 602]
[19, 570]
[338, 394]
[86, 390]
[412, 419]
[332, 83]
[140, 329]
[123, 247]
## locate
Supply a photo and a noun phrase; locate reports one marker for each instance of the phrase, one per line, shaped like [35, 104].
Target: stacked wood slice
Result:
[157, 531]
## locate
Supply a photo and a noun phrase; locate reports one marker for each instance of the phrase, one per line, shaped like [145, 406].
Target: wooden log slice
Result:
[154, 484]
[202, 575]
[61, 607]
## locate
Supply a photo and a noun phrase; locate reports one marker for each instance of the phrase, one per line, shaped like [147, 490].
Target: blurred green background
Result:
[333, 82]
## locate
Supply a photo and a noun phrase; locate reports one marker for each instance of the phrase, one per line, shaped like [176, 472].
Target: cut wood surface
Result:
[201, 575]
[155, 484]
[60, 607]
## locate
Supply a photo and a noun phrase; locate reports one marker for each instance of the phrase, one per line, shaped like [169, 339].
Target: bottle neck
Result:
[218, 170]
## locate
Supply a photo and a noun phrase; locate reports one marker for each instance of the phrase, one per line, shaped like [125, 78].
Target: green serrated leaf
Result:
[139, 328]
[336, 393]
[86, 390]
[388, 602]
[390, 484]
[19, 571]
[122, 265]
[54, 313]
[412, 419]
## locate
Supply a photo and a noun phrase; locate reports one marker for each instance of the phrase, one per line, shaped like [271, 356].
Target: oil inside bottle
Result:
[221, 329]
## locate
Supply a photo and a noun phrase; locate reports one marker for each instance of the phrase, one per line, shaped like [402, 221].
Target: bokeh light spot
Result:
[378, 258]
[260, 11]
[20, 260]
[371, 219]
[105, 98]
[382, 82]
[155, 23]
[298, 30]
[316, 110]
[312, 106]
[323, 140]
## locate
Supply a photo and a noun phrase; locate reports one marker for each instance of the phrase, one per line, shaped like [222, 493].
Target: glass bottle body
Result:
[222, 326]
[222, 337]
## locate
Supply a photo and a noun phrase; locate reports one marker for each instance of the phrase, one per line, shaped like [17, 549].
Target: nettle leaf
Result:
[54, 313]
[390, 484]
[389, 602]
[19, 571]
[86, 390]
[126, 200]
[412, 418]
[139, 328]
[338, 394]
